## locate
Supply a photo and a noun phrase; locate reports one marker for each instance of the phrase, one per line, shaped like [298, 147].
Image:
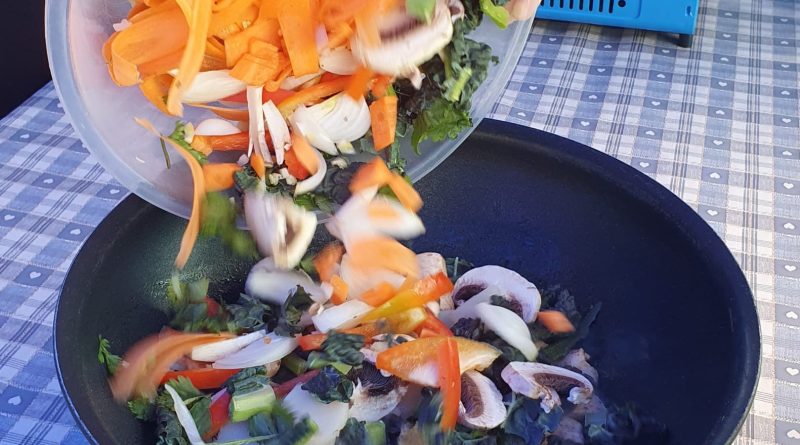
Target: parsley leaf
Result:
[105, 357]
[291, 312]
[330, 385]
[168, 430]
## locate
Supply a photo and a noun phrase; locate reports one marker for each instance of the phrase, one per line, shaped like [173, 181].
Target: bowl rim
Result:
[611, 169]
[60, 60]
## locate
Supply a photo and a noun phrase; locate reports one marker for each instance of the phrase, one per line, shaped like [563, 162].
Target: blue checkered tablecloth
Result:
[717, 124]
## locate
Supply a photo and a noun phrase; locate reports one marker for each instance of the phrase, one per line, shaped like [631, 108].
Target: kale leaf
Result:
[344, 348]
[470, 328]
[278, 427]
[248, 314]
[330, 385]
[196, 401]
[105, 357]
[168, 429]
[292, 310]
[362, 433]
[246, 179]
[219, 221]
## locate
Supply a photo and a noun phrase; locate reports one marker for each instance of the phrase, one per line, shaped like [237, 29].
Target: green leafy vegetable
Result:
[246, 179]
[105, 357]
[344, 348]
[248, 314]
[439, 121]
[362, 433]
[280, 426]
[527, 423]
[168, 429]
[251, 393]
[184, 387]
[307, 265]
[314, 201]
[201, 414]
[498, 14]
[142, 408]
[470, 328]
[497, 300]
[330, 385]
[291, 312]
[294, 364]
[179, 137]
[197, 402]
[422, 10]
[219, 221]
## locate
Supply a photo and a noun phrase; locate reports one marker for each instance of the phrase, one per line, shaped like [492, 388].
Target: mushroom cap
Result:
[375, 395]
[545, 382]
[482, 404]
[523, 295]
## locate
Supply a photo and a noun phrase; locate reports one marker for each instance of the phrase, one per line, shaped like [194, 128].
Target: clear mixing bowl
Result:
[102, 113]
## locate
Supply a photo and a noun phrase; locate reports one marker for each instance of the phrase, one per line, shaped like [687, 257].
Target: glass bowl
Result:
[102, 113]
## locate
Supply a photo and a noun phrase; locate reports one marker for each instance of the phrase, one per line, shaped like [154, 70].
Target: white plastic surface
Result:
[102, 113]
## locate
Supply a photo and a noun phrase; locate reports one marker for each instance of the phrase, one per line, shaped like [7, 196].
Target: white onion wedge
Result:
[306, 123]
[390, 218]
[215, 127]
[269, 349]
[330, 418]
[467, 308]
[508, 326]
[278, 130]
[342, 118]
[338, 61]
[258, 136]
[313, 181]
[343, 316]
[212, 352]
[185, 417]
[211, 86]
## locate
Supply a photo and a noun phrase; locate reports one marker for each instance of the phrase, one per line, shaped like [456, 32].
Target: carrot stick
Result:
[336, 12]
[219, 177]
[238, 44]
[381, 252]
[155, 88]
[228, 142]
[449, 383]
[297, 26]
[294, 166]
[255, 71]
[192, 54]
[223, 19]
[379, 294]
[313, 93]
[383, 114]
[358, 82]
[405, 193]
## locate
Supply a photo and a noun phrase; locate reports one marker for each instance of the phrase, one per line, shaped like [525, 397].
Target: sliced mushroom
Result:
[272, 285]
[481, 403]
[578, 360]
[570, 430]
[375, 395]
[282, 230]
[406, 42]
[545, 382]
[522, 294]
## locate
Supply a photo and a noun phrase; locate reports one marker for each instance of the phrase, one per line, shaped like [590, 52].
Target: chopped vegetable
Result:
[327, 261]
[313, 93]
[422, 10]
[192, 56]
[383, 253]
[379, 294]
[425, 290]
[251, 394]
[340, 288]
[279, 427]
[306, 155]
[292, 310]
[358, 82]
[435, 326]
[383, 116]
[449, 383]
[286, 387]
[555, 322]
[219, 413]
[202, 378]
[228, 142]
[373, 174]
[498, 14]
[105, 357]
[330, 385]
[407, 321]
[297, 26]
[293, 165]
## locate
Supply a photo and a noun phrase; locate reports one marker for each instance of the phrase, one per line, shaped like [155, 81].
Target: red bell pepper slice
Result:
[202, 378]
[449, 383]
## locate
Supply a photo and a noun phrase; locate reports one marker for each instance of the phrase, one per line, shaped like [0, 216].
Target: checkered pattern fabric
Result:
[717, 124]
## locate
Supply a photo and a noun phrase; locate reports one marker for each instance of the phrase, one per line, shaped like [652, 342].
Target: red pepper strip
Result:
[202, 378]
[449, 383]
[433, 325]
[286, 387]
[218, 410]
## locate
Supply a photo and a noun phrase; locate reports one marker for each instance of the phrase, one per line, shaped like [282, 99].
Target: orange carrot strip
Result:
[232, 15]
[274, 85]
[215, 48]
[155, 88]
[358, 82]
[257, 163]
[313, 93]
[379, 294]
[192, 54]
[263, 50]
[340, 290]
[336, 12]
[254, 70]
[380, 87]
[228, 142]
[373, 174]
[555, 322]
[383, 114]
[161, 65]
[405, 193]
[327, 259]
[367, 24]
[306, 154]
[238, 44]
[193, 227]
[219, 177]
[297, 26]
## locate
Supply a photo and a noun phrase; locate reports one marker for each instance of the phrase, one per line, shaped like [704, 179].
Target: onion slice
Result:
[211, 86]
[273, 285]
[311, 183]
[342, 118]
[258, 137]
[214, 351]
[306, 122]
[508, 326]
[338, 61]
[278, 130]
[343, 316]
[215, 127]
[292, 82]
[185, 417]
[270, 349]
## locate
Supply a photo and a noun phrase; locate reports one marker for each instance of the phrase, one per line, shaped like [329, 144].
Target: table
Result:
[717, 124]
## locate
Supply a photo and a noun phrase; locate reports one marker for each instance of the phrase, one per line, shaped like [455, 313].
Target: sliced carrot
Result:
[433, 286]
[227, 142]
[215, 48]
[555, 322]
[383, 114]
[297, 26]
[263, 50]
[340, 290]
[192, 54]
[449, 383]
[306, 154]
[155, 88]
[336, 12]
[405, 193]
[294, 166]
[380, 87]
[229, 18]
[358, 82]
[137, 8]
[274, 85]
[255, 71]
[402, 301]
[161, 65]
[257, 163]
[327, 260]
[313, 93]
[339, 35]
[384, 253]
[198, 181]
[211, 63]
[373, 174]
[379, 294]
[276, 96]
[219, 176]
[236, 45]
